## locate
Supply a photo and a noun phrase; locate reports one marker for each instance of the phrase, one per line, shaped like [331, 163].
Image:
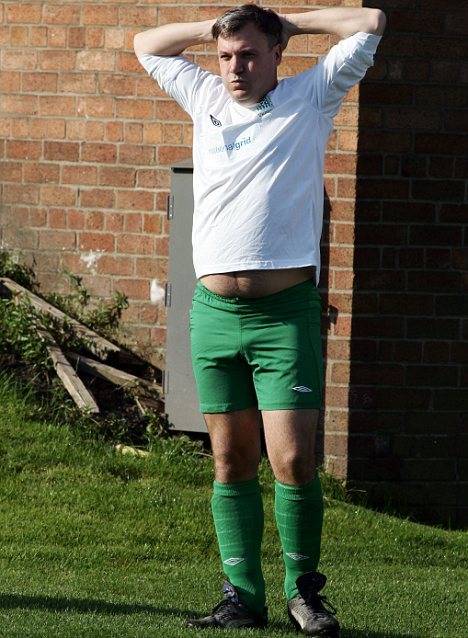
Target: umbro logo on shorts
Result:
[233, 561]
[302, 388]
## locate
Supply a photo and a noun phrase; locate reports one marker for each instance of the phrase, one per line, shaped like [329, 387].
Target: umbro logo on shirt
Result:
[215, 121]
[302, 388]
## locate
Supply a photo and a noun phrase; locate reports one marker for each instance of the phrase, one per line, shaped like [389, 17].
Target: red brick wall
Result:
[85, 148]
[408, 399]
[87, 140]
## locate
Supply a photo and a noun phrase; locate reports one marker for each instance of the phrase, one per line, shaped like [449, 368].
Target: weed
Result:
[24, 350]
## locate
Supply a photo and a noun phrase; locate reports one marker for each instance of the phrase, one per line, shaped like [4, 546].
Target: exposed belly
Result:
[256, 283]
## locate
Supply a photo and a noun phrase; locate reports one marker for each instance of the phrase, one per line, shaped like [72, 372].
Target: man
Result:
[258, 156]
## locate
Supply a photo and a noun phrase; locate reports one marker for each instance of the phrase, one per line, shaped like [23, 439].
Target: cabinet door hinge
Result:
[170, 206]
[168, 295]
[165, 381]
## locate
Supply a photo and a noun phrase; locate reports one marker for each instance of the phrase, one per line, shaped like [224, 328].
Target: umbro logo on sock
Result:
[295, 556]
[233, 561]
[302, 388]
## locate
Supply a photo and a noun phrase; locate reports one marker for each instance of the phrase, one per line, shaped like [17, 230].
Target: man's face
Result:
[248, 65]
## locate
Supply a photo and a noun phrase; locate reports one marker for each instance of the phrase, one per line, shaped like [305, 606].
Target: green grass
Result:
[97, 544]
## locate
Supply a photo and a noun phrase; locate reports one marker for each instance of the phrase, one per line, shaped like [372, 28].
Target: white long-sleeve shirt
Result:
[258, 170]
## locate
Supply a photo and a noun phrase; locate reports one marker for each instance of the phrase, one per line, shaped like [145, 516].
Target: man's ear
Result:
[278, 54]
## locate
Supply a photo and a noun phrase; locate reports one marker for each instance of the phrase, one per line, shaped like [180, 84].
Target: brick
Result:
[435, 281]
[57, 105]
[117, 84]
[135, 244]
[136, 154]
[41, 172]
[97, 198]
[95, 61]
[96, 107]
[38, 36]
[56, 240]
[62, 14]
[57, 60]
[452, 305]
[11, 171]
[114, 38]
[57, 218]
[137, 109]
[405, 304]
[61, 151]
[128, 63]
[17, 59]
[58, 196]
[20, 194]
[409, 211]
[417, 21]
[453, 213]
[57, 37]
[426, 328]
[85, 130]
[432, 376]
[100, 14]
[19, 104]
[116, 176]
[153, 178]
[94, 220]
[96, 241]
[23, 13]
[133, 132]
[438, 235]
[39, 82]
[79, 174]
[134, 288]
[437, 190]
[123, 266]
[19, 36]
[10, 81]
[171, 154]
[24, 150]
[91, 152]
[95, 37]
[76, 37]
[141, 16]
[449, 96]
[77, 83]
[114, 131]
[114, 222]
[135, 200]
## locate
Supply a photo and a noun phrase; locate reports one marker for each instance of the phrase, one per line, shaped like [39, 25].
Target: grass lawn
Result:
[97, 544]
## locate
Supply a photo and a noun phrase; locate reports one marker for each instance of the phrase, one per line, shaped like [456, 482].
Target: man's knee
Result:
[294, 468]
[235, 464]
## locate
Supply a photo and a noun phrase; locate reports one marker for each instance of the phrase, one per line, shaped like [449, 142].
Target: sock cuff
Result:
[243, 488]
[299, 492]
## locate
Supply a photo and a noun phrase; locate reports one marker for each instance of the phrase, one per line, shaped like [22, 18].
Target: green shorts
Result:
[263, 352]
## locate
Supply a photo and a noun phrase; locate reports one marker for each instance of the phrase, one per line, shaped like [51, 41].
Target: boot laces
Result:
[319, 604]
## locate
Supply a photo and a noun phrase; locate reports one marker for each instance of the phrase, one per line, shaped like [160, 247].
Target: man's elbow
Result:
[138, 44]
[377, 21]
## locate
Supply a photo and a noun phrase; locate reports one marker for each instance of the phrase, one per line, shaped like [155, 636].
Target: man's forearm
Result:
[172, 39]
[342, 22]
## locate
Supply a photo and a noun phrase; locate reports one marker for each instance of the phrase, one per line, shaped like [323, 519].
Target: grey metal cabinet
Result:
[179, 384]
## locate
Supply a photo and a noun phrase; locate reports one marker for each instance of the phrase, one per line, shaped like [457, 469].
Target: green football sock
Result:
[238, 517]
[299, 517]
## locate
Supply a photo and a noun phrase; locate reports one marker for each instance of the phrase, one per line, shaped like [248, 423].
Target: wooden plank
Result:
[114, 375]
[66, 373]
[97, 344]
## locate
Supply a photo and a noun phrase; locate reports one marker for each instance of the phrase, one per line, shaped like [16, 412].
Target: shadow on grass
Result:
[89, 606]
[286, 627]
[83, 606]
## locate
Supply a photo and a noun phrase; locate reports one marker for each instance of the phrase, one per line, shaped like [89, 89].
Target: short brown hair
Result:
[267, 22]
